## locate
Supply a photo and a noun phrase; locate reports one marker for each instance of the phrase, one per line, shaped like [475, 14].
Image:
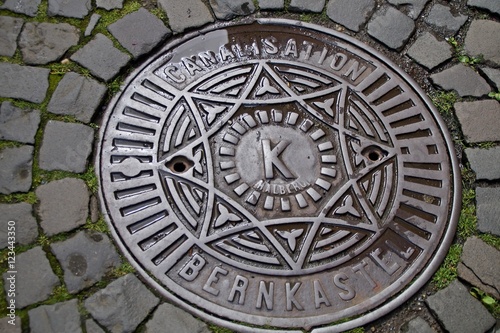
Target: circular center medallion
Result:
[278, 174]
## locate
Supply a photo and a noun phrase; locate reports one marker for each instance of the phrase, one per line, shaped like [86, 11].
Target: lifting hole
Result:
[374, 154]
[180, 164]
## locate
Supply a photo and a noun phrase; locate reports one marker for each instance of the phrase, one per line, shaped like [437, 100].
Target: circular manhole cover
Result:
[278, 174]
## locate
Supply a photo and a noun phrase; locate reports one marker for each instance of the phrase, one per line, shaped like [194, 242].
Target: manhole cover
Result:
[278, 174]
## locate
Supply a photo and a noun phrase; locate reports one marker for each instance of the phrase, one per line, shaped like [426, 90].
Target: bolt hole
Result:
[180, 164]
[374, 156]
[180, 167]
[374, 153]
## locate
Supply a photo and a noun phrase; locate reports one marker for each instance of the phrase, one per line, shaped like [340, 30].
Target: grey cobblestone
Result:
[493, 75]
[109, 4]
[484, 162]
[139, 32]
[228, 9]
[349, 13]
[41, 43]
[10, 27]
[92, 327]
[491, 5]
[479, 120]
[78, 96]
[94, 19]
[18, 124]
[6, 327]
[315, 6]
[271, 4]
[441, 17]
[26, 7]
[429, 52]
[56, 318]
[391, 27]
[26, 228]
[24, 82]
[170, 319]
[186, 14]
[65, 146]
[15, 169]
[69, 8]
[32, 265]
[416, 6]
[488, 209]
[482, 40]
[417, 325]
[462, 79]
[63, 205]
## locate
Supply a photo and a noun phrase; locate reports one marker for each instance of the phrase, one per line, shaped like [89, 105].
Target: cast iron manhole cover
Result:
[278, 174]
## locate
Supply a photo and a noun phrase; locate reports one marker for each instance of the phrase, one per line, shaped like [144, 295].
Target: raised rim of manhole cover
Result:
[278, 174]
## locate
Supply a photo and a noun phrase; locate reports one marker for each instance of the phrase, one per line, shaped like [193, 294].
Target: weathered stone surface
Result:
[479, 120]
[10, 27]
[139, 32]
[122, 305]
[41, 43]
[101, 58]
[271, 4]
[351, 14]
[488, 209]
[429, 52]
[391, 27]
[186, 14]
[92, 327]
[227, 9]
[24, 82]
[94, 209]
[26, 7]
[7, 327]
[109, 4]
[170, 319]
[94, 19]
[315, 6]
[15, 169]
[458, 311]
[484, 162]
[417, 325]
[32, 265]
[486, 270]
[21, 214]
[493, 75]
[66, 146]
[78, 96]
[18, 124]
[63, 205]
[69, 8]
[463, 79]
[482, 39]
[491, 5]
[85, 258]
[416, 6]
[441, 17]
[56, 318]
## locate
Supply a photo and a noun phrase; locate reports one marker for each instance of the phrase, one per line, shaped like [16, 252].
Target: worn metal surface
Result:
[278, 174]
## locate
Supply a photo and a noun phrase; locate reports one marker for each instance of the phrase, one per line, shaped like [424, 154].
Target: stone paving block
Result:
[78, 96]
[56, 318]
[417, 325]
[480, 120]
[122, 305]
[271, 4]
[26, 7]
[109, 4]
[18, 124]
[101, 58]
[482, 273]
[24, 82]
[484, 162]
[491, 5]
[139, 32]
[228, 9]
[482, 39]
[92, 327]
[31, 265]
[488, 209]
[170, 319]
[66, 146]
[63, 205]
[15, 169]
[25, 226]
[351, 14]
[69, 8]
[463, 79]
[41, 43]
[493, 75]
[315, 6]
[458, 311]
[429, 52]
[416, 6]
[440, 16]
[7, 327]
[186, 14]
[94, 19]
[10, 27]
[85, 258]
[391, 27]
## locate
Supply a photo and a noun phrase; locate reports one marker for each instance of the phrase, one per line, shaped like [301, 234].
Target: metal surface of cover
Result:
[279, 174]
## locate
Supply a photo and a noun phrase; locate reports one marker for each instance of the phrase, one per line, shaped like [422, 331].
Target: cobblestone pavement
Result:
[62, 60]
